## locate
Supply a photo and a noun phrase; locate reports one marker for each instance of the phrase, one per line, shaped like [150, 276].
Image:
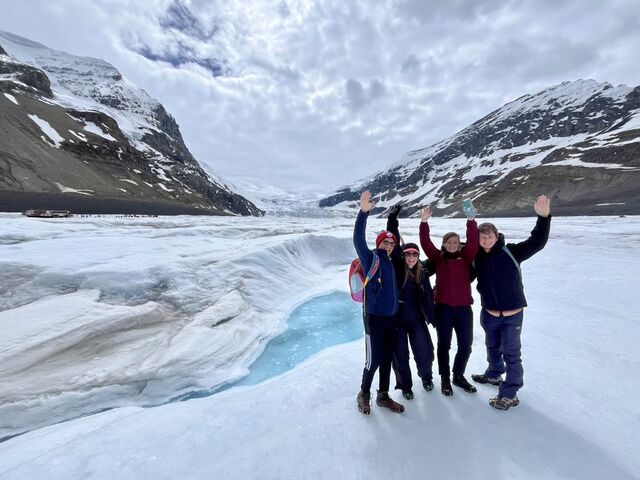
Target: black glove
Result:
[395, 211]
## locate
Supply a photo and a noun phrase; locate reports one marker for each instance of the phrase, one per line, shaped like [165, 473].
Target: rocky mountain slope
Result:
[75, 134]
[578, 142]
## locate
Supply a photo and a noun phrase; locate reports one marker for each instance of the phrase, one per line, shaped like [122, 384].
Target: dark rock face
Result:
[31, 76]
[581, 124]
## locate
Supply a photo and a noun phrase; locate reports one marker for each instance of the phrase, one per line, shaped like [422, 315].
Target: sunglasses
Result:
[412, 254]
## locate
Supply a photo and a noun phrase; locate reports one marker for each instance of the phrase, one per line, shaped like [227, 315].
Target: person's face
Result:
[388, 245]
[488, 240]
[411, 258]
[452, 245]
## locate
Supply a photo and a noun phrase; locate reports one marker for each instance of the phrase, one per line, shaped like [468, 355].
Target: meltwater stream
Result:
[312, 326]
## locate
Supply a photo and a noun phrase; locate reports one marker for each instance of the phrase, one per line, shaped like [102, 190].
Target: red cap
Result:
[411, 247]
[383, 235]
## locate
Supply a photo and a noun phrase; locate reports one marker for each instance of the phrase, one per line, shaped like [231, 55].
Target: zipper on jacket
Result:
[493, 290]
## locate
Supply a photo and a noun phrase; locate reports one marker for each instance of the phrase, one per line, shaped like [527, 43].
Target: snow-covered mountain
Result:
[578, 142]
[75, 133]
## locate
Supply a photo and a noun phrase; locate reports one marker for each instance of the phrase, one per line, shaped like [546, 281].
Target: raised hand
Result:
[365, 201]
[425, 214]
[395, 211]
[542, 206]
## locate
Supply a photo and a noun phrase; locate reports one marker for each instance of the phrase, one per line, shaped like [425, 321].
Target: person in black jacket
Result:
[502, 293]
[380, 307]
[415, 311]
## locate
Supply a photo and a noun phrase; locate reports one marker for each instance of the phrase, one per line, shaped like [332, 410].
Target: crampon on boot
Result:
[482, 378]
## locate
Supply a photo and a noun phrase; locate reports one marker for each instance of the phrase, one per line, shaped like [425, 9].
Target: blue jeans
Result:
[502, 339]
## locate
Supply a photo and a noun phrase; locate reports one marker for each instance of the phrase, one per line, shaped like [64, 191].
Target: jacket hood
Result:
[499, 243]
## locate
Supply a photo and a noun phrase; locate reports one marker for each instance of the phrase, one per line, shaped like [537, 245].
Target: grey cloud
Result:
[432, 11]
[179, 17]
[283, 9]
[181, 55]
[358, 97]
[377, 89]
[543, 58]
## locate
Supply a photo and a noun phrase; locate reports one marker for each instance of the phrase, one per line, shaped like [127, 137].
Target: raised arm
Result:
[359, 232]
[397, 256]
[472, 244]
[425, 239]
[392, 222]
[539, 235]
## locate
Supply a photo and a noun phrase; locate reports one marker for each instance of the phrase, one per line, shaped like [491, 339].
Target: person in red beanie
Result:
[380, 307]
[453, 297]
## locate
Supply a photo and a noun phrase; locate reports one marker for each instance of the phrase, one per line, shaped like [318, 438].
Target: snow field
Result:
[577, 419]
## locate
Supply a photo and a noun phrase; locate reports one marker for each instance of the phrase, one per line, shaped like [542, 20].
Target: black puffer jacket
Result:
[499, 278]
[426, 298]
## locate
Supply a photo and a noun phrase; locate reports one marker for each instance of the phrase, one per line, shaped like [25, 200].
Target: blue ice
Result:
[319, 323]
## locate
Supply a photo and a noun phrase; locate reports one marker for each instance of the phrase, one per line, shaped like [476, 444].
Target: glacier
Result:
[105, 319]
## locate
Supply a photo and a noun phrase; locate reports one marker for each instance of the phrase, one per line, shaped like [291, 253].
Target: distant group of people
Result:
[399, 302]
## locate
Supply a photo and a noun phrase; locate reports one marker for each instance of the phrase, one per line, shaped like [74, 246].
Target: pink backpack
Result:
[358, 280]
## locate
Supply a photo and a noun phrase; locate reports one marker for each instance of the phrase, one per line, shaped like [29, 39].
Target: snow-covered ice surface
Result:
[125, 312]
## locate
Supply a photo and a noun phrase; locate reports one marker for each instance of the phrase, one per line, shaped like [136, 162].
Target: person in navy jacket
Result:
[503, 301]
[380, 307]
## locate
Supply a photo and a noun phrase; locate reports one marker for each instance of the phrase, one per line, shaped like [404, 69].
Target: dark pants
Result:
[502, 338]
[380, 341]
[448, 319]
[412, 326]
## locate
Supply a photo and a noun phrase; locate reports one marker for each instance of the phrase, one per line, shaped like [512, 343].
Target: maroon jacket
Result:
[452, 271]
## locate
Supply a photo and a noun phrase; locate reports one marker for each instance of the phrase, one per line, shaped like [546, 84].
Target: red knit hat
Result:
[383, 235]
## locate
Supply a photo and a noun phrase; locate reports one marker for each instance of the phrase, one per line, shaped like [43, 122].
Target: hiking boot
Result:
[445, 386]
[428, 385]
[384, 400]
[460, 381]
[408, 394]
[504, 403]
[364, 402]
[482, 378]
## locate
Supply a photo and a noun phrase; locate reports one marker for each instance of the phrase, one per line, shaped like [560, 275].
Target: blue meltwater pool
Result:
[312, 326]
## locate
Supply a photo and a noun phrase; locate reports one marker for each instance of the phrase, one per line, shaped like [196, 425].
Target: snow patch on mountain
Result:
[48, 130]
[11, 98]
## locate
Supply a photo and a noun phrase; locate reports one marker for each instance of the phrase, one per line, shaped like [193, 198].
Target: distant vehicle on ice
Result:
[48, 213]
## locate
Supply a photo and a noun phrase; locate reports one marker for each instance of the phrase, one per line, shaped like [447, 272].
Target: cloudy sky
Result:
[303, 96]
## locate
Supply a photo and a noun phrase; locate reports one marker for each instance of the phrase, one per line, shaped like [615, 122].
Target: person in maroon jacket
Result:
[453, 298]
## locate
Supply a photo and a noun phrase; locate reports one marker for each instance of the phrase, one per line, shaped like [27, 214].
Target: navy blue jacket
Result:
[381, 293]
[499, 279]
[426, 298]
